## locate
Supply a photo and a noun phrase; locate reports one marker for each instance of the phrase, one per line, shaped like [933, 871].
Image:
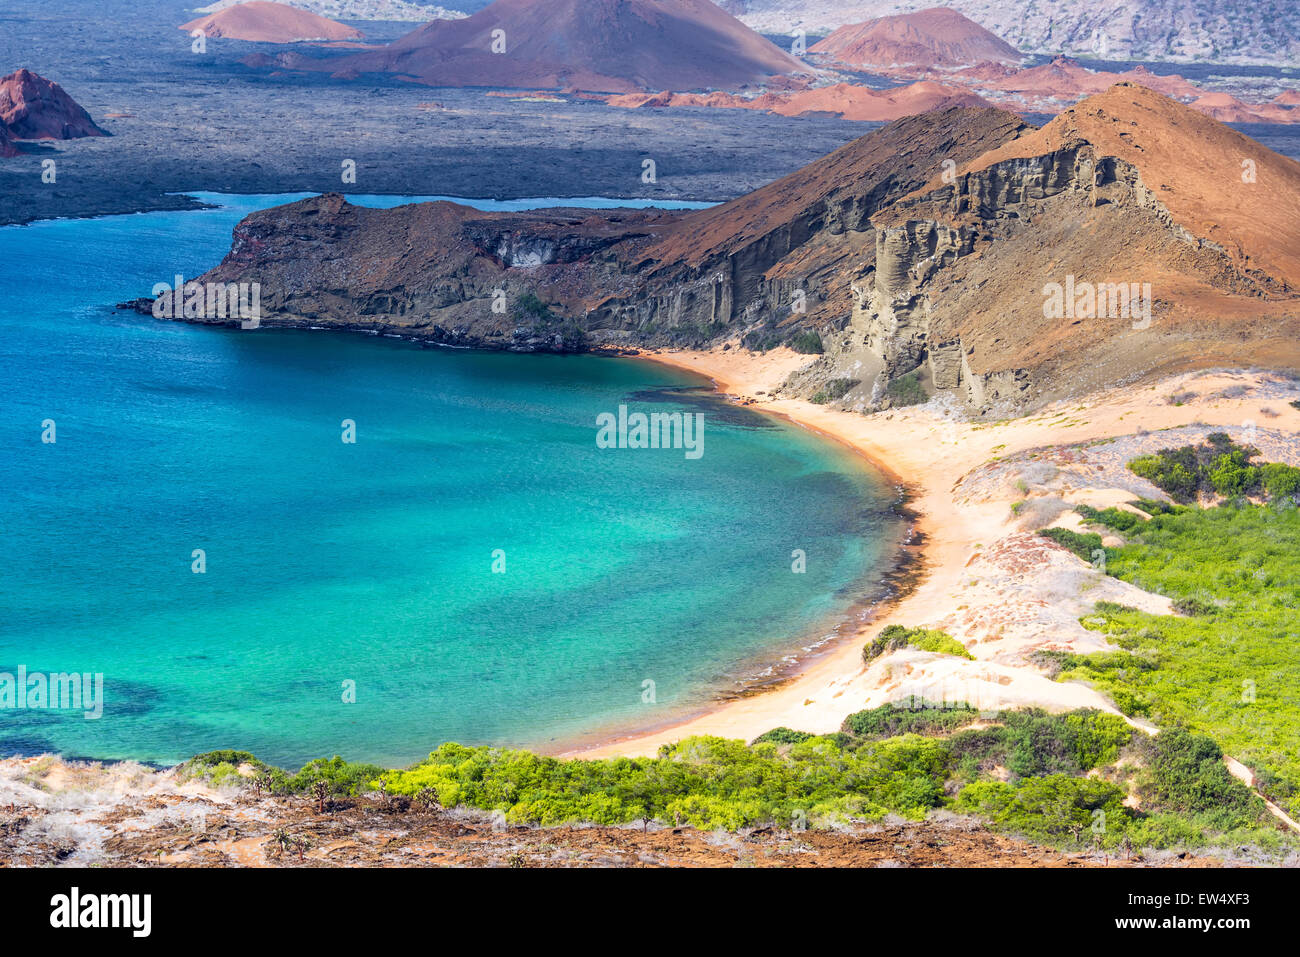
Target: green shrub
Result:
[1113, 518]
[342, 777]
[1184, 772]
[782, 736]
[1217, 466]
[807, 342]
[1056, 809]
[894, 637]
[761, 340]
[1032, 743]
[530, 307]
[889, 720]
[886, 760]
[1281, 482]
[1225, 666]
[1169, 471]
[839, 388]
[1083, 544]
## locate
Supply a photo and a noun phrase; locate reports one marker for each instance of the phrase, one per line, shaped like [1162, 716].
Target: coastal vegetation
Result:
[894, 637]
[834, 389]
[1217, 467]
[1062, 780]
[805, 341]
[1225, 665]
[1083, 544]
[907, 389]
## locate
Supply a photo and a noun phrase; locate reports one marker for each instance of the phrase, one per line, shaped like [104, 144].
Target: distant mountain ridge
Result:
[1174, 30]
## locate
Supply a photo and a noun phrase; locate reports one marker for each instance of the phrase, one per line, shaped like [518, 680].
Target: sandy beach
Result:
[987, 579]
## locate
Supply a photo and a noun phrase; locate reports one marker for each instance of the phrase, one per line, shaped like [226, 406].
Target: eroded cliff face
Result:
[766, 265]
[918, 243]
[956, 297]
[922, 255]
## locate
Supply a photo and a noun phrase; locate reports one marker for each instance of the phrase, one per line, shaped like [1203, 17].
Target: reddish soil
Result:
[197, 832]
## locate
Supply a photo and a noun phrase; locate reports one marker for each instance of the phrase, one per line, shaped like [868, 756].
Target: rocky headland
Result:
[917, 259]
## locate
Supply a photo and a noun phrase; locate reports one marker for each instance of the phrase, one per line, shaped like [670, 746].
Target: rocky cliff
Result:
[957, 252]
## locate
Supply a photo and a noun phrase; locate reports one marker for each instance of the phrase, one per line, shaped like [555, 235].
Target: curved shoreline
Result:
[902, 569]
[908, 567]
[963, 535]
[930, 456]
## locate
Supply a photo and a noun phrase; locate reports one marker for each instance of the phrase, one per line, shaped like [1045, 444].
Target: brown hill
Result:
[603, 45]
[34, 108]
[262, 21]
[935, 37]
[929, 249]
[1127, 194]
[7, 147]
[1194, 168]
[1226, 108]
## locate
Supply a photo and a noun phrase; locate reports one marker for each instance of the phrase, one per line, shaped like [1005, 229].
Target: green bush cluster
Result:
[705, 782]
[807, 342]
[1114, 518]
[1226, 665]
[222, 769]
[834, 389]
[894, 637]
[1033, 743]
[1028, 772]
[761, 340]
[839, 388]
[1186, 796]
[1082, 544]
[922, 717]
[1217, 467]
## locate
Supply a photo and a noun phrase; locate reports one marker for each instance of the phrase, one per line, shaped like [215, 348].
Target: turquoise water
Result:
[373, 562]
